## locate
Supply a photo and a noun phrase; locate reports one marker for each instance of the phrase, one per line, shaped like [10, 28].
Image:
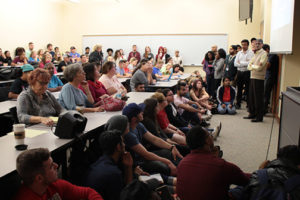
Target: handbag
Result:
[112, 104]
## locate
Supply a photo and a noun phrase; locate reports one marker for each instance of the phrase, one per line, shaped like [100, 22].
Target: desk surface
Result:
[8, 154]
[6, 105]
[171, 83]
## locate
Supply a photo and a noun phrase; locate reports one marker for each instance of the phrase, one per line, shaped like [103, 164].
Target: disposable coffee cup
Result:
[19, 132]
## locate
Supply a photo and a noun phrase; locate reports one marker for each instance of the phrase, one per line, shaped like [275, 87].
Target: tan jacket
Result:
[258, 65]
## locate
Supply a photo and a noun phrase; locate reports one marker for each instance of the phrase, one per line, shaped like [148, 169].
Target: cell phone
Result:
[125, 98]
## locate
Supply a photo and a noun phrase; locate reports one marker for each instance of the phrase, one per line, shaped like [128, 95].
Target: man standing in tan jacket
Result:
[257, 66]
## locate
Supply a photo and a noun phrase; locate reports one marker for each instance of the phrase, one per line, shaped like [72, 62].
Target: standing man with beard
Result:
[230, 69]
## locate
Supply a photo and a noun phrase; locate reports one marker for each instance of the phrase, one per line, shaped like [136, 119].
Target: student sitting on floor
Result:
[36, 104]
[226, 95]
[203, 175]
[40, 181]
[21, 83]
[71, 97]
[105, 175]
[158, 161]
[141, 74]
[55, 83]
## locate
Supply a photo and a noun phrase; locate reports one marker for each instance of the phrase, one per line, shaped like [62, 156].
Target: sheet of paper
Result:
[146, 178]
[30, 133]
[55, 119]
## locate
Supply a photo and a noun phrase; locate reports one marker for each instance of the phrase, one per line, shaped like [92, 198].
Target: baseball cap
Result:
[131, 110]
[27, 68]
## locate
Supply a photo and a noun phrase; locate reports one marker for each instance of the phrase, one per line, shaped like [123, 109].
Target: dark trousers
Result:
[243, 78]
[269, 84]
[217, 84]
[210, 84]
[256, 98]
[191, 117]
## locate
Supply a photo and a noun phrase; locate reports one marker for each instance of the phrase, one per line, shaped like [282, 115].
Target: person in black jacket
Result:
[225, 96]
[230, 69]
[97, 55]
[281, 174]
[171, 110]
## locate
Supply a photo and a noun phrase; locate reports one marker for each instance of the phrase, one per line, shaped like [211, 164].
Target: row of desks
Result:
[8, 154]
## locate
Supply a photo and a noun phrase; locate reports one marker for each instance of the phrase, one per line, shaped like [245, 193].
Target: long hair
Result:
[143, 62]
[150, 107]
[206, 56]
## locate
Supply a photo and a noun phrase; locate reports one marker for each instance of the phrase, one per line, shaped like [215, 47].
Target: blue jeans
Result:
[231, 111]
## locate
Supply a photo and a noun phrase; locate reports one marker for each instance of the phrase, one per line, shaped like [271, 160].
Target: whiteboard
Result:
[192, 47]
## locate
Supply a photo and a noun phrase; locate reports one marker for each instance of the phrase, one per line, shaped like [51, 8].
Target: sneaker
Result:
[204, 123]
[215, 132]
[208, 112]
[206, 117]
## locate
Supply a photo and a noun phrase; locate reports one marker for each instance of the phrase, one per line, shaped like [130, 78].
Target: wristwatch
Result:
[172, 147]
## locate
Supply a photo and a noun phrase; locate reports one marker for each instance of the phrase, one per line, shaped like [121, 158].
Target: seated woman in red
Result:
[97, 89]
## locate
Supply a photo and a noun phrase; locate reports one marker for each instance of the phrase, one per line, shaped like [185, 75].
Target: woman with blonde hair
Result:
[132, 64]
[97, 55]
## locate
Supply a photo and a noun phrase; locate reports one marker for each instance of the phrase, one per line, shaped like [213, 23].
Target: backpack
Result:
[269, 191]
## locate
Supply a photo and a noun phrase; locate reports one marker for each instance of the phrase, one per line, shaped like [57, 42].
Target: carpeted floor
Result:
[245, 143]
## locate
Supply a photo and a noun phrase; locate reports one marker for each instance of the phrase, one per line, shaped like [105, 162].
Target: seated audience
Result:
[47, 58]
[110, 80]
[199, 94]
[71, 97]
[105, 175]
[62, 65]
[20, 58]
[148, 55]
[83, 59]
[117, 57]
[152, 122]
[171, 110]
[141, 75]
[21, 83]
[57, 57]
[2, 57]
[139, 87]
[166, 56]
[40, 54]
[50, 50]
[30, 49]
[75, 57]
[55, 83]
[110, 59]
[202, 174]
[166, 69]
[226, 95]
[120, 69]
[177, 59]
[176, 70]
[162, 117]
[87, 51]
[156, 69]
[160, 54]
[132, 65]
[8, 59]
[96, 55]
[276, 178]
[123, 56]
[97, 89]
[185, 106]
[40, 180]
[134, 54]
[109, 53]
[33, 58]
[36, 104]
[157, 162]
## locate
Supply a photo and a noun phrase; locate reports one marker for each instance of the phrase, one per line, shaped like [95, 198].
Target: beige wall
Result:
[156, 16]
[291, 63]
[22, 21]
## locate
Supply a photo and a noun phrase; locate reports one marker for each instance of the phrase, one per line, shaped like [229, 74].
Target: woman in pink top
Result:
[97, 89]
[110, 81]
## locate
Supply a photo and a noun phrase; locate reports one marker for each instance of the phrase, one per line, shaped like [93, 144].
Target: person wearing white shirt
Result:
[243, 74]
[177, 59]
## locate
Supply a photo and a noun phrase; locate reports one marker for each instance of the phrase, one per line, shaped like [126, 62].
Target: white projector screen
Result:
[281, 38]
[192, 47]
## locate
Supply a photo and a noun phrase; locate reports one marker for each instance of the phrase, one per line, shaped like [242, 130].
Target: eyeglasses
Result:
[43, 83]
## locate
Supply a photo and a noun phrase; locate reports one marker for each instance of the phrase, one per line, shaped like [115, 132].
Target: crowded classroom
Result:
[192, 102]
